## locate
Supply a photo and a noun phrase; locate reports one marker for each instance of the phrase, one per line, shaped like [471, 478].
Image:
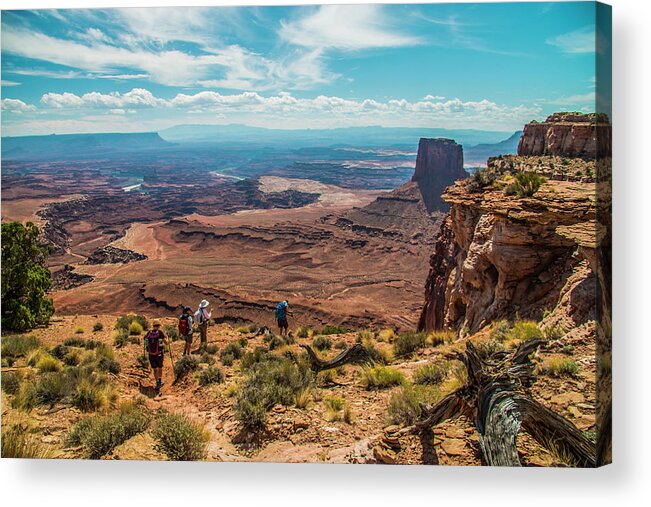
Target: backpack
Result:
[281, 310]
[153, 343]
[184, 325]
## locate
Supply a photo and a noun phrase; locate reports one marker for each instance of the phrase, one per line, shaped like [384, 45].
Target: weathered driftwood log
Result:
[496, 398]
[356, 354]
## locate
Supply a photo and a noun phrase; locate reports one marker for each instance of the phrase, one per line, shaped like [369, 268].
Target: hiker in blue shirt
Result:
[281, 316]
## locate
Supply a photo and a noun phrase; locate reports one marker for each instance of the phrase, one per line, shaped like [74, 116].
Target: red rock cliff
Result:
[438, 165]
[567, 135]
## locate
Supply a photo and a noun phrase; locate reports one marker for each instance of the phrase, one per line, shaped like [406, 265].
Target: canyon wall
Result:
[501, 255]
[568, 135]
[439, 163]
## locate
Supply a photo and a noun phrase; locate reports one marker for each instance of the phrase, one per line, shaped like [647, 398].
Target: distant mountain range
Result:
[352, 136]
[74, 146]
[478, 144]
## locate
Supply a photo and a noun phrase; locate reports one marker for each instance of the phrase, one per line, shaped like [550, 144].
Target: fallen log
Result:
[356, 354]
[496, 397]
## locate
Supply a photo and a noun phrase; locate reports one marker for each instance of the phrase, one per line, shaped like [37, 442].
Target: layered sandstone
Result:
[567, 135]
[439, 163]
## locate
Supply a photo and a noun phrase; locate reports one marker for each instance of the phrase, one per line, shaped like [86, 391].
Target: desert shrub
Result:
[52, 387]
[171, 331]
[75, 341]
[303, 332]
[333, 408]
[525, 185]
[558, 366]
[19, 345]
[72, 358]
[457, 378]
[91, 344]
[365, 335]
[125, 322]
[98, 435]
[231, 352]
[59, 351]
[10, 382]
[120, 338]
[79, 330]
[8, 362]
[98, 326]
[89, 396]
[386, 335]
[143, 361]
[103, 359]
[408, 343]
[481, 179]
[405, 404]
[303, 397]
[266, 384]
[486, 348]
[242, 329]
[322, 343]
[179, 438]
[47, 363]
[17, 442]
[525, 330]
[276, 342]
[135, 328]
[26, 398]
[243, 342]
[341, 345]
[211, 349]
[381, 377]
[431, 374]
[334, 330]
[185, 365]
[207, 359]
[34, 356]
[500, 330]
[259, 354]
[210, 375]
[436, 338]
[553, 333]
[379, 353]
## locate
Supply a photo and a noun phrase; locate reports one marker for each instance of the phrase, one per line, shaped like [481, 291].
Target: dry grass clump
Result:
[558, 366]
[19, 442]
[405, 403]
[98, 326]
[338, 329]
[380, 353]
[210, 375]
[322, 343]
[333, 407]
[457, 378]
[19, 345]
[47, 363]
[11, 382]
[79, 330]
[436, 338]
[381, 377]
[408, 343]
[303, 397]
[180, 438]
[386, 335]
[304, 332]
[125, 322]
[431, 374]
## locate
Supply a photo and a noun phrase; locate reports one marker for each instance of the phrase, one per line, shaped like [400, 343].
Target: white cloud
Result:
[452, 112]
[16, 106]
[574, 100]
[434, 97]
[345, 27]
[578, 41]
[4, 82]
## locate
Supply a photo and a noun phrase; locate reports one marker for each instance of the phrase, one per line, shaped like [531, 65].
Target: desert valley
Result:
[419, 286]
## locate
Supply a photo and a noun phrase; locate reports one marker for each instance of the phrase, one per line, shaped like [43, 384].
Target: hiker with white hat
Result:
[201, 317]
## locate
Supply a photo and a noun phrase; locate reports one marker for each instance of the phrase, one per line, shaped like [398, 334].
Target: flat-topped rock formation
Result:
[568, 135]
[439, 163]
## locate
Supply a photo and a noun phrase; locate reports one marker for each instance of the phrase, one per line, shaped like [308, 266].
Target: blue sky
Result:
[486, 66]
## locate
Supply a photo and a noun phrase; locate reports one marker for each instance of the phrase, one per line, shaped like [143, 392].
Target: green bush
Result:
[526, 184]
[525, 330]
[25, 279]
[120, 338]
[19, 345]
[18, 443]
[231, 352]
[381, 377]
[53, 387]
[60, 351]
[72, 358]
[500, 330]
[135, 328]
[10, 382]
[172, 332]
[47, 363]
[92, 344]
[405, 404]
[558, 366]
[333, 407]
[179, 438]
[303, 332]
[98, 326]
[431, 374]
[408, 343]
[322, 343]
[267, 383]
[481, 179]
[206, 358]
[210, 375]
[125, 322]
[79, 330]
[26, 398]
[334, 330]
[258, 355]
[227, 359]
[185, 365]
[276, 342]
[89, 396]
[99, 435]
[486, 348]
[211, 348]
[75, 341]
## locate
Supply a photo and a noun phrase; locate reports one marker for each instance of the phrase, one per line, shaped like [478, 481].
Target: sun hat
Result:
[203, 304]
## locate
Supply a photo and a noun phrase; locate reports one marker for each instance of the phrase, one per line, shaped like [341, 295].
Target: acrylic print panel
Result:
[343, 234]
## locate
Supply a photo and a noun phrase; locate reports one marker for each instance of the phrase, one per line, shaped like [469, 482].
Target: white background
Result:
[626, 482]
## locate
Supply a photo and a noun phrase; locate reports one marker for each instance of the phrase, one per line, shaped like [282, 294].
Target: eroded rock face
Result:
[112, 255]
[498, 256]
[567, 135]
[439, 163]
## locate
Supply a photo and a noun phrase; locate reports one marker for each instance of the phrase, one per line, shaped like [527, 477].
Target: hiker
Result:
[201, 317]
[155, 344]
[185, 329]
[281, 316]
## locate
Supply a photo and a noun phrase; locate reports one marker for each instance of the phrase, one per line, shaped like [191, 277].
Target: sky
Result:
[484, 66]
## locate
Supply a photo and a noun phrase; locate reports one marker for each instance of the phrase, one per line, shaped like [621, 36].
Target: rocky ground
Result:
[305, 434]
